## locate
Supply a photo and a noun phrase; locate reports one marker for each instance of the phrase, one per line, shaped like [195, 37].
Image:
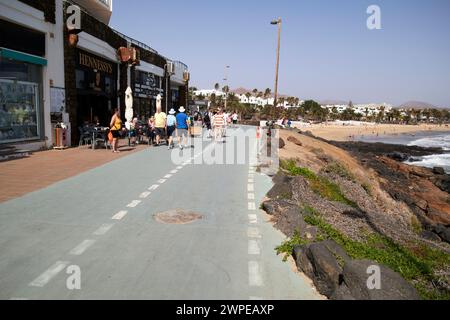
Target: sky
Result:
[327, 51]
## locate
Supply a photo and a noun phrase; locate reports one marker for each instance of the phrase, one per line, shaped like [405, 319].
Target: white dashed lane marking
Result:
[104, 228]
[179, 167]
[49, 274]
[167, 176]
[251, 196]
[173, 171]
[161, 181]
[144, 195]
[253, 233]
[252, 218]
[153, 187]
[254, 274]
[253, 247]
[251, 206]
[82, 247]
[133, 204]
[251, 180]
[119, 215]
[251, 188]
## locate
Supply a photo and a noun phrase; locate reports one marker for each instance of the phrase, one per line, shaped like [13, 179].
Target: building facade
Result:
[47, 77]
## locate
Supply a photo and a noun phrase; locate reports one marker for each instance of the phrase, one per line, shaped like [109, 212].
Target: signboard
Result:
[147, 85]
[57, 99]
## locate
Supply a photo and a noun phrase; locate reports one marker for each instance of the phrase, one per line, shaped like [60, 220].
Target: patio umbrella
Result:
[158, 102]
[129, 104]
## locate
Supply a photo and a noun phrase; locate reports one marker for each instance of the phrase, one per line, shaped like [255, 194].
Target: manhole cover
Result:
[177, 216]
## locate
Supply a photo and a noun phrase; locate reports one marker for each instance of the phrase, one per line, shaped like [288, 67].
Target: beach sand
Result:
[338, 132]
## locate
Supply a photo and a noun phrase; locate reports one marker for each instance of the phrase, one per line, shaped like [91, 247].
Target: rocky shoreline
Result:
[349, 206]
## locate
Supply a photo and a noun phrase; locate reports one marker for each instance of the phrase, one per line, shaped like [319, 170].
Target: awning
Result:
[20, 56]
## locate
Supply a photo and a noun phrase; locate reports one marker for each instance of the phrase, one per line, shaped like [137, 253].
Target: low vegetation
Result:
[417, 264]
[319, 184]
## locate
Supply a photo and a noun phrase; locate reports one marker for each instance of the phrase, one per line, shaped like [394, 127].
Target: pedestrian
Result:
[182, 127]
[207, 121]
[115, 126]
[151, 130]
[160, 125]
[235, 118]
[218, 123]
[171, 128]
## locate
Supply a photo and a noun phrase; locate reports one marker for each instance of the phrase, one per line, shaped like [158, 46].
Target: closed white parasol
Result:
[129, 104]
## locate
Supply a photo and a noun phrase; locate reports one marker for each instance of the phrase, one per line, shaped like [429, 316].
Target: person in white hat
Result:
[182, 127]
[171, 127]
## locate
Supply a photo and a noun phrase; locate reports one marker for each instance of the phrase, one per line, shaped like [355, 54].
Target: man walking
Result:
[171, 128]
[219, 124]
[160, 125]
[182, 127]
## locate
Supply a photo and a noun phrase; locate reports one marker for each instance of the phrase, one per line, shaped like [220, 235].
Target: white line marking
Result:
[251, 196]
[133, 204]
[173, 171]
[119, 215]
[161, 181]
[254, 274]
[153, 187]
[104, 228]
[253, 247]
[251, 181]
[144, 195]
[167, 176]
[250, 187]
[251, 206]
[48, 275]
[179, 167]
[82, 247]
[253, 218]
[253, 232]
[251, 175]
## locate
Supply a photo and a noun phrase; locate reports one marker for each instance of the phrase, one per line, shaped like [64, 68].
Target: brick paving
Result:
[41, 169]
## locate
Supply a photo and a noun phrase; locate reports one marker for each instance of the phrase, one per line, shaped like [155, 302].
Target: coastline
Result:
[358, 131]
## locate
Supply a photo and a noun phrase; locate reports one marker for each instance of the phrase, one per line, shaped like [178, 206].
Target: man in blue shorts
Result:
[182, 127]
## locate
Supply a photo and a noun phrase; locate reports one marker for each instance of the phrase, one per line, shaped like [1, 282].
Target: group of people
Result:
[217, 121]
[174, 125]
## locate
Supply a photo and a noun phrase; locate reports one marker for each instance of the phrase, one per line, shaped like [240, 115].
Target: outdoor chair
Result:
[85, 136]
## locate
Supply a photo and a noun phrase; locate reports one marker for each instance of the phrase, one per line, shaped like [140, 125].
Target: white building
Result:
[31, 73]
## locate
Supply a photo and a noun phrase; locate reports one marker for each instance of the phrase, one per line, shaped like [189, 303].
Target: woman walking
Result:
[151, 130]
[115, 127]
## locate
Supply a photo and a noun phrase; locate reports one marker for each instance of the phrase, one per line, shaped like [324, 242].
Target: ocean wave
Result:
[436, 160]
[441, 141]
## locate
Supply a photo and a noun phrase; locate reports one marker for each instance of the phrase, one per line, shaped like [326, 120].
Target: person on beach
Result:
[235, 118]
[115, 126]
[182, 122]
[171, 128]
[160, 125]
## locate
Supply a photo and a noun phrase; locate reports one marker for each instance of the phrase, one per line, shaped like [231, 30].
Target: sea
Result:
[437, 139]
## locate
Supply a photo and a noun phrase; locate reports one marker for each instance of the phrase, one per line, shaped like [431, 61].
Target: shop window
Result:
[19, 111]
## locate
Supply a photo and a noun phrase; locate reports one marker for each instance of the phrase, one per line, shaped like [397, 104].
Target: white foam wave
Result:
[436, 160]
[442, 141]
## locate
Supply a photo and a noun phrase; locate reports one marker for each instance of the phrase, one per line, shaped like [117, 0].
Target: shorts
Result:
[182, 132]
[160, 132]
[234, 121]
[115, 134]
[132, 133]
[171, 131]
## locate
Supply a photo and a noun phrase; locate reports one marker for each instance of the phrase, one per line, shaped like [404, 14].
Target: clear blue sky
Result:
[327, 51]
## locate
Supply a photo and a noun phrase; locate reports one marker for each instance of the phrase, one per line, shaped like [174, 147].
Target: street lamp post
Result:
[277, 22]
[226, 85]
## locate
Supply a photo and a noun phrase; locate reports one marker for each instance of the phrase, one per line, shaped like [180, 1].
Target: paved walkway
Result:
[21, 176]
[98, 229]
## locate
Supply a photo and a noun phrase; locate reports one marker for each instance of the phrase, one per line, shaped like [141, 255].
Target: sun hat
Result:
[172, 111]
[182, 109]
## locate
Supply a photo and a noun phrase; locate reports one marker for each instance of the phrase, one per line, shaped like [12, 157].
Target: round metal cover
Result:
[177, 216]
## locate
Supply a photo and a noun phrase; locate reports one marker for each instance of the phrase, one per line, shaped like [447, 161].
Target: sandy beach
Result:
[339, 132]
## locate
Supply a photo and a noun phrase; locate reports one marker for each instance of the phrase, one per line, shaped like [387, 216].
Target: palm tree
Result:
[248, 95]
[255, 92]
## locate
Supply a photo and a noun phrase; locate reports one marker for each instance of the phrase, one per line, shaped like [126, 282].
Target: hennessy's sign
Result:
[94, 63]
